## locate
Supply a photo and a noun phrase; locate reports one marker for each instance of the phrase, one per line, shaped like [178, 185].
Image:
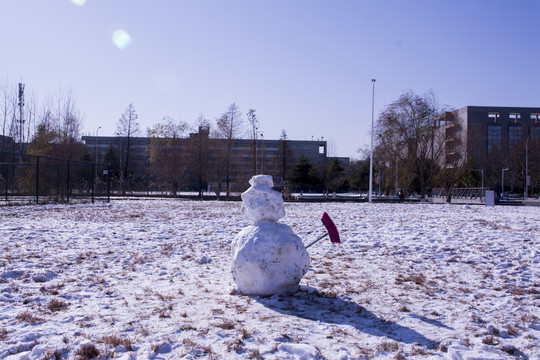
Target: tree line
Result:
[412, 151]
[177, 159]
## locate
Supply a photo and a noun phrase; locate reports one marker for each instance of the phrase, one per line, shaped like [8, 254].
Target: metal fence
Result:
[39, 179]
[466, 194]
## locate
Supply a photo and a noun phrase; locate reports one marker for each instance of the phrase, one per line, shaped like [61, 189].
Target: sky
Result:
[304, 66]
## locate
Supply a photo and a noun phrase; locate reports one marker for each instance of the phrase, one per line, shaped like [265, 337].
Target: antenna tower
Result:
[21, 113]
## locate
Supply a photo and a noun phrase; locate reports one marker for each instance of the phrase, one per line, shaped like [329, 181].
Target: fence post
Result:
[37, 180]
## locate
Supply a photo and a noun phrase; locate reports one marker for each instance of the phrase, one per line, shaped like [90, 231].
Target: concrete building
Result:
[272, 157]
[7, 144]
[495, 137]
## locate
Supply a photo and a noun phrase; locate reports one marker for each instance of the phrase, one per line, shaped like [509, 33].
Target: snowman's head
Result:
[260, 202]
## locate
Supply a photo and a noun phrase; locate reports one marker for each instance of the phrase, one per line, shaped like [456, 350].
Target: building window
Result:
[494, 137]
[515, 118]
[514, 135]
[493, 117]
[535, 119]
[535, 133]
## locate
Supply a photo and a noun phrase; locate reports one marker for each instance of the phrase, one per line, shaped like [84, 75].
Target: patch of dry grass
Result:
[388, 346]
[28, 318]
[117, 340]
[53, 354]
[57, 305]
[226, 325]
[418, 279]
[86, 352]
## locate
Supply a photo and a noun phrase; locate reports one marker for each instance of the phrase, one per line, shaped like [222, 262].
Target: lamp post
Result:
[396, 175]
[502, 180]
[481, 170]
[371, 153]
[95, 154]
[256, 155]
[262, 160]
[526, 195]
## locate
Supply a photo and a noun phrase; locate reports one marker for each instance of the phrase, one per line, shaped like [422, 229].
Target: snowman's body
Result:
[268, 258]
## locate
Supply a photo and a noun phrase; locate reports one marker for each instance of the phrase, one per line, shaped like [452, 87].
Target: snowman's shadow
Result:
[309, 303]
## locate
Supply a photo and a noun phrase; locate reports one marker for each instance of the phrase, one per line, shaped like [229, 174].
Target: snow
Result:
[151, 279]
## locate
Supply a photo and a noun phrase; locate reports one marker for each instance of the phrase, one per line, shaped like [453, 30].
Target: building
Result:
[7, 143]
[248, 156]
[496, 138]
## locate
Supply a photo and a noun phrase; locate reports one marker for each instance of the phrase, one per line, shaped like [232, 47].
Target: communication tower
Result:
[21, 113]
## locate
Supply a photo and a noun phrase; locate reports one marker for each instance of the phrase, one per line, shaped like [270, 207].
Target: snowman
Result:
[267, 257]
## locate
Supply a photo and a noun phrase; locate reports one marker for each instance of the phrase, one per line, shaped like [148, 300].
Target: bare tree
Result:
[228, 128]
[166, 152]
[284, 161]
[7, 108]
[127, 127]
[70, 124]
[199, 155]
[406, 129]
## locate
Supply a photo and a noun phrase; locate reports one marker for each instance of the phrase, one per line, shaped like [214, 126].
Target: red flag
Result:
[331, 227]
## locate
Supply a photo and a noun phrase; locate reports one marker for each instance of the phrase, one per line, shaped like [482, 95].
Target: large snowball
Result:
[268, 258]
[260, 202]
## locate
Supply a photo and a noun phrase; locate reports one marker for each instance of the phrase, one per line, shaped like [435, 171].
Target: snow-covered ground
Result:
[152, 279]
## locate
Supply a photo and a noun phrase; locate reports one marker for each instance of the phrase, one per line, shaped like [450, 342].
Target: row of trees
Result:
[178, 159]
[55, 121]
[412, 154]
[176, 156]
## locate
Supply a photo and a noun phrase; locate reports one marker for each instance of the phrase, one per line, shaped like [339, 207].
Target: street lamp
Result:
[371, 153]
[95, 154]
[502, 180]
[256, 155]
[482, 170]
[262, 160]
[527, 168]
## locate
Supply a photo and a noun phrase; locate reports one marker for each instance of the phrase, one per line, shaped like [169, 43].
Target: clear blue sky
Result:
[304, 65]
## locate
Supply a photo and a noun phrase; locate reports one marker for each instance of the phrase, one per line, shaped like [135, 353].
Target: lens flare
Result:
[121, 39]
[79, 2]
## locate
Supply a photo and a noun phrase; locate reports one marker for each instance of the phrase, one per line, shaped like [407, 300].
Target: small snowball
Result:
[204, 260]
